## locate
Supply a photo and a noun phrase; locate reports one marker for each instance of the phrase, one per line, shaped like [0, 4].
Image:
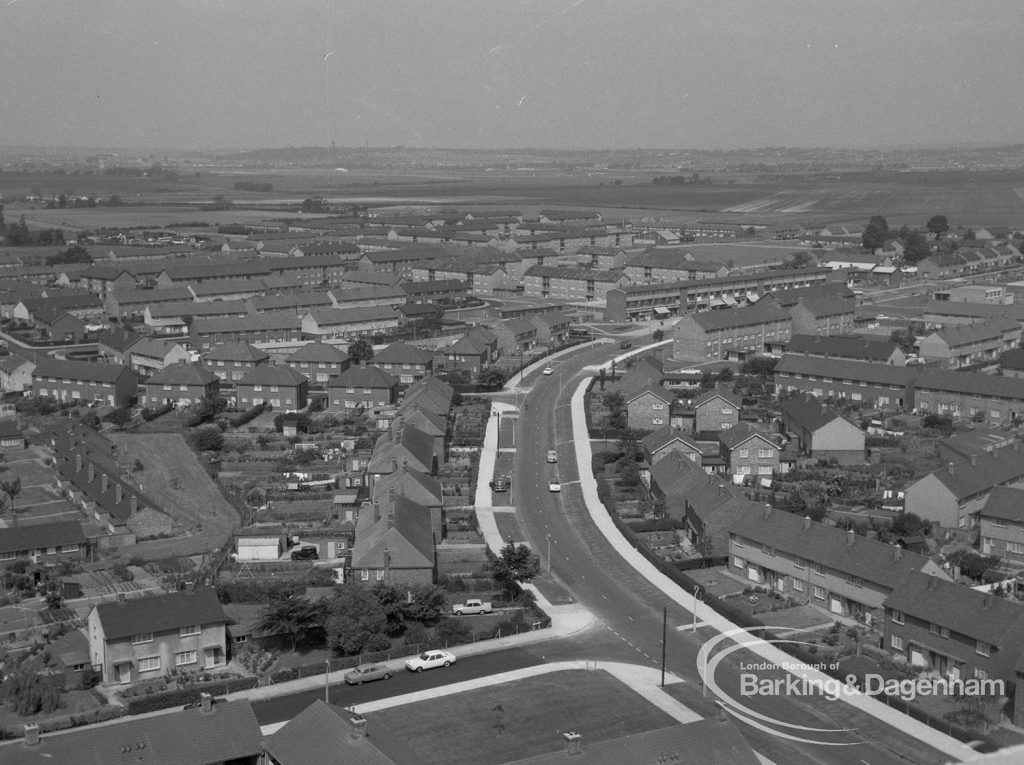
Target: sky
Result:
[567, 74]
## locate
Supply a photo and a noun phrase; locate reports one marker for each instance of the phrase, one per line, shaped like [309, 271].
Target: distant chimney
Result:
[391, 493]
[358, 727]
[573, 742]
[949, 467]
[394, 464]
[824, 408]
[851, 535]
[897, 552]
[807, 523]
[974, 459]
[104, 482]
[391, 518]
[31, 734]
[376, 511]
[78, 463]
[207, 702]
[933, 582]
[767, 511]
[92, 472]
[118, 494]
[121, 600]
[134, 505]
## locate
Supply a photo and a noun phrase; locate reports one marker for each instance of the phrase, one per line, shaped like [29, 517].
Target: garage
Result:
[254, 548]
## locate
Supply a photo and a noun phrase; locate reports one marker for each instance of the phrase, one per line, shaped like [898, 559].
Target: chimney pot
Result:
[897, 552]
[134, 504]
[950, 468]
[207, 702]
[807, 522]
[118, 494]
[974, 459]
[767, 511]
[121, 600]
[573, 742]
[851, 535]
[104, 482]
[31, 734]
[358, 727]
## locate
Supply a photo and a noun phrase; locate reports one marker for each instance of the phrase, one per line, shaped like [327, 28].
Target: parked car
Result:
[364, 673]
[430, 660]
[552, 455]
[472, 606]
[306, 552]
[499, 485]
[554, 486]
[549, 371]
[625, 344]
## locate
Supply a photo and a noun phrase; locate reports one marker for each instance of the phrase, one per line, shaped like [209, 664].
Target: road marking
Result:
[689, 627]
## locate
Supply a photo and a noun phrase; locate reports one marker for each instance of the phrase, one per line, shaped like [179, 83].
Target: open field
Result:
[173, 477]
[516, 720]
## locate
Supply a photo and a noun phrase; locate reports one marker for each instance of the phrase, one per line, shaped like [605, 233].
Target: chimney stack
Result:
[573, 742]
[391, 493]
[949, 467]
[767, 511]
[134, 505]
[118, 494]
[31, 734]
[376, 511]
[104, 483]
[92, 472]
[78, 463]
[851, 535]
[121, 600]
[933, 582]
[974, 459]
[358, 727]
[207, 702]
[807, 523]
[394, 465]
[897, 552]
[391, 518]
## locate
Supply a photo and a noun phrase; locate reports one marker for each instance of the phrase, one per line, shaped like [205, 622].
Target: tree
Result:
[451, 631]
[514, 565]
[74, 254]
[256, 660]
[360, 349]
[11, 489]
[425, 605]
[939, 422]
[120, 417]
[206, 438]
[874, 235]
[492, 377]
[356, 621]
[909, 525]
[905, 338]
[938, 225]
[29, 693]
[761, 366]
[657, 336]
[915, 247]
[292, 616]
[615, 403]
[800, 259]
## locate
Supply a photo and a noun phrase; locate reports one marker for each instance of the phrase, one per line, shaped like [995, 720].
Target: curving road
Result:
[630, 608]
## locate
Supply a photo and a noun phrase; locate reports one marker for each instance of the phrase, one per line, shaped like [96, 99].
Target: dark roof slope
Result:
[79, 370]
[18, 538]
[1005, 503]
[843, 346]
[759, 313]
[160, 613]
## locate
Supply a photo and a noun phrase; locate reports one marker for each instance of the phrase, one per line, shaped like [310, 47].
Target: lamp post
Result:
[696, 592]
[549, 554]
[664, 641]
[327, 675]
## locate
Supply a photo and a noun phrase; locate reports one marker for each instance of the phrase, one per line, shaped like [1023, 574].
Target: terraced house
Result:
[824, 566]
[181, 385]
[995, 399]
[84, 381]
[872, 384]
[571, 283]
[733, 335]
[1001, 525]
[362, 387]
[823, 316]
[966, 345]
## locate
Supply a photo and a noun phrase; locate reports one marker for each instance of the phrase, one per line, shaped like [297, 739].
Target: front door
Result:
[123, 673]
[835, 605]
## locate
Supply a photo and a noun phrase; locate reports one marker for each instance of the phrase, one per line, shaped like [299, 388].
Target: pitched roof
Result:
[809, 413]
[319, 352]
[160, 613]
[1005, 503]
[322, 734]
[154, 347]
[978, 615]
[185, 308]
[18, 538]
[182, 374]
[827, 306]
[662, 437]
[759, 313]
[970, 382]
[118, 339]
[966, 334]
[790, 297]
[235, 352]
[333, 316]
[979, 474]
[410, 443]
[411, 482]
[653, 390]
[741, 432]
[844, 369]
[576, 273]
[398, 534]
[253, 323]
[834, 548]
[402, 353]
[13, 363]
[676, 474]
[721, 393]
[364, 377]
[843, 346]
[79, 370]
[273, 374]
[187, 737]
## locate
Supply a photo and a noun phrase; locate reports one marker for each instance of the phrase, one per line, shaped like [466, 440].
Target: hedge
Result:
[248, 415]
[152, 414]
[88, 717]
[190, 695]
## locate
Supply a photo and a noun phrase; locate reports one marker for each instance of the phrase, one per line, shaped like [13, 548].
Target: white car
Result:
[552, 455]
[554, 486]
[549, 371]
[430, 660]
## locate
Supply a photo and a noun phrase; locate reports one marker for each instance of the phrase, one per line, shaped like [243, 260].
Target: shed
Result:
[259, 547]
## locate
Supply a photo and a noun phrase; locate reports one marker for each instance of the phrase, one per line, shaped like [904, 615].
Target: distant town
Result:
[334, 455]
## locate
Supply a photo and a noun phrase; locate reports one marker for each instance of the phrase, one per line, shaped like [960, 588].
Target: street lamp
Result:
[549, 554]
[696, 593]
[327, 675]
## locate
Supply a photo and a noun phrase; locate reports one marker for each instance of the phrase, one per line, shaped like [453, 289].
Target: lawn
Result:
[516, 720]
[172, 476]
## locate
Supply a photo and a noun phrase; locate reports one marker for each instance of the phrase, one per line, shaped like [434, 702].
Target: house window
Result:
[744, 470]
[726, 410]
[800, 563]
[897, 617]
[69, 548]
[897, 642]
[764, 470]
[184, 657]
[380, 574]
[980, 674]
[935, 629]
[819, 570]
[738, 562]
[819, 592]
[1017, 548]
[657, 421]
[368, 390]
[142, 637]
[8, 555]
[983, 648]
[274, 389]
[190, 630]
[798, 584]
[365, 574]
[765, 453]
[768, 550]
[744, 453]
[657, 406]
[149, 664]
[258, 388]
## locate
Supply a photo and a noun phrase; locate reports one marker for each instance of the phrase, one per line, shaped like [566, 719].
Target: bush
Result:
[451, 631]
[248, 415]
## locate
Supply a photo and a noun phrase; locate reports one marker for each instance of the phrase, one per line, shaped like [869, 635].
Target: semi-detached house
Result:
[1001, 525]
[970, 344]
[362, 387]
[148, 637]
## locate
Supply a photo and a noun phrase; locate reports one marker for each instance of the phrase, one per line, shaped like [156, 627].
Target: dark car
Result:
[499, 485]
[625, 344]
[306, 552]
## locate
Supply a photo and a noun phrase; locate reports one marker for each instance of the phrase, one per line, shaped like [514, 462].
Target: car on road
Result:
[552, 455]
[625, 344]
[430, 660]
[554, 486]
[364, 673]
[306, 552]
[549, 371]
[499, 485]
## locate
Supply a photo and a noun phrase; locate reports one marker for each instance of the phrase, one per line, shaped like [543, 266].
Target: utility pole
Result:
[327, 675]
[664, 640]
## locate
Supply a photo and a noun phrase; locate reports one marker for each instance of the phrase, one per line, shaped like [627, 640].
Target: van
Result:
[552, 456]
